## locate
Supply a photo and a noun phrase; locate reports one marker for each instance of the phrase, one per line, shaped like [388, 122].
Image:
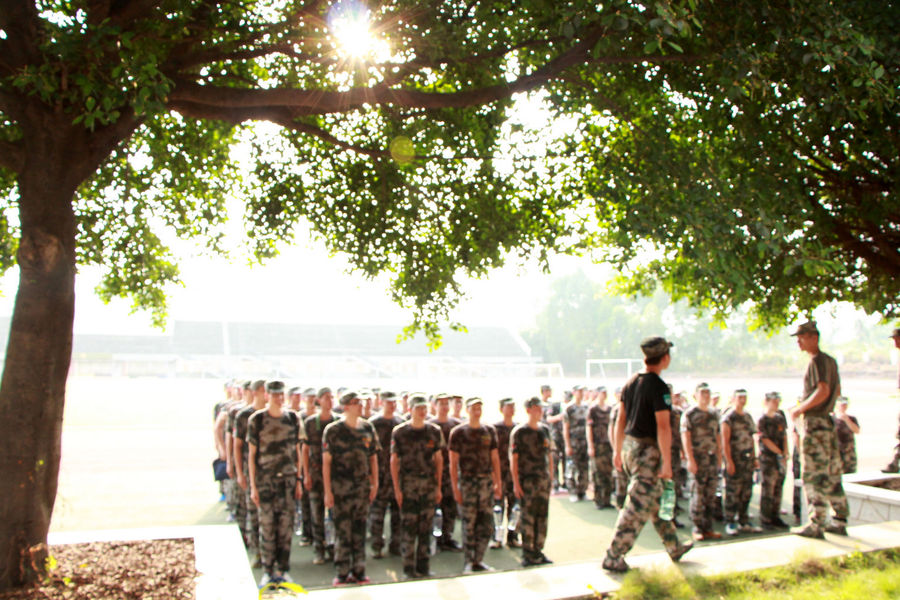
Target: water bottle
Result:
[514, 517]
[298, 519]
[437, 525]
[667, 502]
[329, 528]
[498, 522]
[570, 469]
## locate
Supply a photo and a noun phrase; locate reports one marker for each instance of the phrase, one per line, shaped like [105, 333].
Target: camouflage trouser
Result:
[772, 473]
[306, 523]
[231, 496]
[738, 488]
[476, 512]
[703, 491]
[276, 521]
[848, 459]
[894, 465]
[822, 470]
[507, 497]
[350, 512]
[581, 465]
[621, 481]
[679, 477]
[641, 462]
[383, 501]
[798, 484]
[251, 520]
[448, 507]
[558, 456]
[535, 506]
[240, 513]
[316, 495]
[417, 514]
[602, 473]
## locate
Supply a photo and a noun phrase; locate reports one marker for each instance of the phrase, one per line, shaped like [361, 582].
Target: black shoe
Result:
[377, 552]
[480, 567]
[891, 468]
[513, 541]
[678, 524]
[409, 573]
[467, 568]
[423, 569]
[543, 560]
[450, 544]
[582, 496]
[779, 524]
[528, 561]
[681, 551]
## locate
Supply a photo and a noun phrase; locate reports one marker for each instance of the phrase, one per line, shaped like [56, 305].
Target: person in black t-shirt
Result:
[643, 445]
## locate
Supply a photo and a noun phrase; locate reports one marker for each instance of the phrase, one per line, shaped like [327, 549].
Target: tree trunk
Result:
[32, 390]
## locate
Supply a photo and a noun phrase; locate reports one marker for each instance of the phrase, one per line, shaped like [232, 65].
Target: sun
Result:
[349, 24]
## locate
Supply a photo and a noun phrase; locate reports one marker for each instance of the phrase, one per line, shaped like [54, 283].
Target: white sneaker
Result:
[265, 580]
[286, 577]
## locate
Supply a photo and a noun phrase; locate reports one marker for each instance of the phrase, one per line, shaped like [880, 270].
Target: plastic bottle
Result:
[498, 522]
[298, 519]
[570, 469]
[667, 501]
[329, 528]
[514, 515]
[437, 530]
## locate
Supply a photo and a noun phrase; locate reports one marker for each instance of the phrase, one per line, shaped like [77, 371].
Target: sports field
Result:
[137, 453]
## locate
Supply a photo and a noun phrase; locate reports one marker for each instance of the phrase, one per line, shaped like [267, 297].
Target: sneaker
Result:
[543, 560]
[451, 545]
[495, 545]
[527, 561]
[836, 528]
[286, 578]
[480, 567]
[731, 529]
[681, 551]
[698, 535]
[230, 518]
[467, 568]
[222, 498]
[318, 559]
[780, 524]
[265, 580]
[377, 552]
[340, 580]
[304, 541]
[810, 531]
[891, 468]
[616, 565]
[749, 528]
[513, 542]
[573, 498]
[712, 535]
[361, 578]
[678, 524]
[409, 573]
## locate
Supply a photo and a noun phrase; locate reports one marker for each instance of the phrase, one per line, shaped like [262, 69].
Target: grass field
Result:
[137, 453]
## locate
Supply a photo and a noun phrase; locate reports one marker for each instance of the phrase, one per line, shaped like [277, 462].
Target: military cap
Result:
[896, 332]
[366, 393]
[309, 392]
[442, 395]
[388, 396]
[600, 388]
[655, 347]
[740, 392]
[348, 397]
[259, 384]
[275, 387]
[578, 387]
[773, 395]
[505, 401]
[247, 384]
[418, 400]
[808, 327]
[546, 387]
[323, 391]
[295, 391]
[376, 390]
[702, 386]
[473, 401]
[534, 401]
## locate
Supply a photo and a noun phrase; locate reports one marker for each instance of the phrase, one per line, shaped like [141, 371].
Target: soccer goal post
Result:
[612, 368]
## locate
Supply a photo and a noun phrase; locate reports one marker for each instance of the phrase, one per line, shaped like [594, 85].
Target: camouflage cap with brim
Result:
[309, 392]
[534, 401]
[348, 397]
[417, 400]
[473, 401]
[506, 401]
[275, 387]
[805, 328]
[388, 397]
[323, 391]
[295, 391]
[655, 347]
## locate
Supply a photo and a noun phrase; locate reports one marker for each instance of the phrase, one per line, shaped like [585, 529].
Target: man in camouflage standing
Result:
[553, 416]
[702, 448]
[504, 428]
[600, 449]
[274, 436]
[242, 466]
[531, 466]
[772, 427]
[474, 473]
[643, 448]
[619, 479]
[575, 435]
[821, 460]
[314, 426]
[416, 470]
[449, 508]
[739, 453]
[350, 476]
[384, 424]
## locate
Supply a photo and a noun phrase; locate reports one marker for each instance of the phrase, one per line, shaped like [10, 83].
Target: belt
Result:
[646, 441]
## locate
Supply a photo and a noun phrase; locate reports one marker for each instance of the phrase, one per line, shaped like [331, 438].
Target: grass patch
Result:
[873, 576]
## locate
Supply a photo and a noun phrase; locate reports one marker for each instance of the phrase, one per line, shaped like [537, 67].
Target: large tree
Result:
[698, 121]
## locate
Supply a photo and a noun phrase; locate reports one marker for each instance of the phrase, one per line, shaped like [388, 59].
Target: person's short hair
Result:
[259, 384]
[546, 388]
[323, 391]
[295, 391]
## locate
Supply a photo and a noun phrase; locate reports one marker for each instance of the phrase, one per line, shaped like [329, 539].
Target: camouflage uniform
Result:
[534, 448]
[474, 447]
[819, 447]
[385, 499]
[234, 495]
[303, 506]
[576, 416]
[599, 418]
[314, 426]
[894, 465]
[703, 427]
[772, 466]
[507, 496]
[449, 509]
[846, 443]
[679, 472]
[276, 440]
[619, 478]
[350, 450]
[415, 449]
[559, 442]
[739, 486]
[251, 513]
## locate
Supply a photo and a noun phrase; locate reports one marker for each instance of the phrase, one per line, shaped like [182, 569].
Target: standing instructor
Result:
[643, 445]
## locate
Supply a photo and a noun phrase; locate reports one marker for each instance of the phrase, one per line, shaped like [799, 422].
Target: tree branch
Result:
[11, 156]
[19, 19]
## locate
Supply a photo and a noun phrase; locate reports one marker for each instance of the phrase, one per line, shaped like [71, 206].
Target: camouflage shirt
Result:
[314, 426]
[822, 368]
[350, 450]
[415, 448]
[844, 433]
[599, 419]
[533, 447]
[446, 427]
[774, 429]
[742, 430]
[240, 432]
[276, 440]
[703, 427]
[576, 416]
[556, 429]
[675, 423]
[474, 447]
[383, 428]
[503, 432]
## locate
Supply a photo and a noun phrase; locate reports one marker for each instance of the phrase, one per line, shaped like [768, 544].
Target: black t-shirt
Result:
[644, 395]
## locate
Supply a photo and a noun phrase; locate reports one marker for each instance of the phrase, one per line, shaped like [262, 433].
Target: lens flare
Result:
[349, 24]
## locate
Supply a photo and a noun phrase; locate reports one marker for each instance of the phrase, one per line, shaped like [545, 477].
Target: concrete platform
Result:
[218, 551]
[577, 580]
